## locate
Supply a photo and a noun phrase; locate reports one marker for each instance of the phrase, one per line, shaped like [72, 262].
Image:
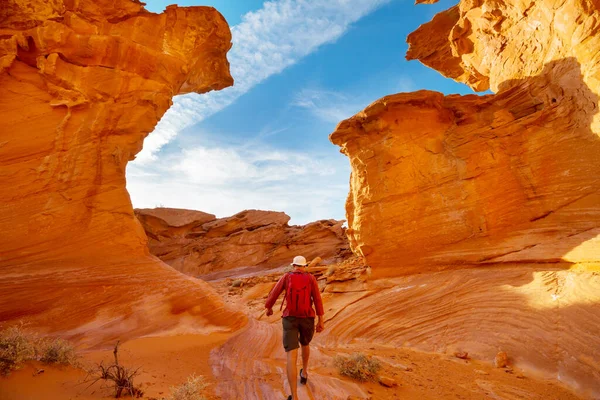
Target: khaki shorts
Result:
[296, 329]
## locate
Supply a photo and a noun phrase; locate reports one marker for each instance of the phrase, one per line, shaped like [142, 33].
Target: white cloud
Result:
[333, 106]
[329, 106]
[224, 181]
[229, 166]
[264, 43]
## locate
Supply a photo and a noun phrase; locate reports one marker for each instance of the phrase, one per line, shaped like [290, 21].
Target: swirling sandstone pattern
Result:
[81, 84]
[197, 243]
[546, 320]
[457, 182]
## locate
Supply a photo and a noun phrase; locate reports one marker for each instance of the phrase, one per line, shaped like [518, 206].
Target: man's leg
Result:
[306, 327]
[292, 370]
[305, 357]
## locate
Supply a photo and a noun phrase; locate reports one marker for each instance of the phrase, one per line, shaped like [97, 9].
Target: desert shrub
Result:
[236, 283]
[57, 351]
[119, 376]
[16, 347]
[357, 366]
[190, 390]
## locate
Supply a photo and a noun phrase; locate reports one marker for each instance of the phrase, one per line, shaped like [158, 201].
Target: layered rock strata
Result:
[477, 183]
[513, 177]
[546, 320]
[81, 85]
[197, 243]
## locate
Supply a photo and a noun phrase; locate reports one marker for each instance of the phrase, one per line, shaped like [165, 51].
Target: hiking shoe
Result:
[302, 379]
[289, 397]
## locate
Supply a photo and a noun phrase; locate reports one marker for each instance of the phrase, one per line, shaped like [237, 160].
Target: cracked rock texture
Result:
[480, 182]
[197, 243]
[81, 85]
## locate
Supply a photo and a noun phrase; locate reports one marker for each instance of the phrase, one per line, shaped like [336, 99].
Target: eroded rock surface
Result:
[512, 177]
[81, 85]
[197, 243]
[507, 180]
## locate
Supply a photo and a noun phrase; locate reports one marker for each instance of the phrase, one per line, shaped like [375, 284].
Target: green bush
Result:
[357, 366]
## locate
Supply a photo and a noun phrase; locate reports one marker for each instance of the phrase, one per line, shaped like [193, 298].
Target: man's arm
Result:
[274, 294]
[316, 295]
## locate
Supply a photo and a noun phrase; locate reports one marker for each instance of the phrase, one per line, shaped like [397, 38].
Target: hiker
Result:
[301, 290]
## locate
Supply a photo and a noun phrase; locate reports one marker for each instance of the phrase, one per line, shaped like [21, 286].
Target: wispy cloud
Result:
[224, 181]
[327, 105]
[229, 166]
[264, 43]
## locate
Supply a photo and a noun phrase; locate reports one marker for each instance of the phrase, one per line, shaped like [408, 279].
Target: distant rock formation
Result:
[197, 243]
[81, 85]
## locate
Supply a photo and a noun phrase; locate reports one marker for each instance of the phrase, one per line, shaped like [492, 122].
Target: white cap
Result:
[299, 260]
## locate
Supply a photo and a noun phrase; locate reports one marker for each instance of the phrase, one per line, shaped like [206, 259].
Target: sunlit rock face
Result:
[81, 85]
[197, 243]
[499, 191]
[512, 177]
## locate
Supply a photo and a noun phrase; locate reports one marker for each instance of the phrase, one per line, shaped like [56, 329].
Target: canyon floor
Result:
[250, 363]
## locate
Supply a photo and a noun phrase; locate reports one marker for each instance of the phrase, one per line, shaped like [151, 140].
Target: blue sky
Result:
[300, 67]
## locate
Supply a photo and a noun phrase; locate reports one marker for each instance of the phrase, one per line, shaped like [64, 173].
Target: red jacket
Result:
[315, 297]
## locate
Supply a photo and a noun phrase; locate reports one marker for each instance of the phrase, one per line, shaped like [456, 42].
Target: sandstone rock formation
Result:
[507, 180]
[510, 177]
[81, 84]
[197, 243]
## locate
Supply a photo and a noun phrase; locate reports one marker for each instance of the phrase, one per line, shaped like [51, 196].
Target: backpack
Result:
[298, 294]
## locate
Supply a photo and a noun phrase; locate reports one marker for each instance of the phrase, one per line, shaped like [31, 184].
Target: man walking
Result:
[301, 291]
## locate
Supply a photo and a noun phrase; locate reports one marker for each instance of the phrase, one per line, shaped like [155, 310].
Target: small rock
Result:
[387, 382]
[501, 360]
[520, 376]
[462, 355]
[39, 371]
[480, 372]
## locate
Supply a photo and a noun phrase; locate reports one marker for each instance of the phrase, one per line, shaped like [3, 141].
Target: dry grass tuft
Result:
[190, 390]
[357, 366]
[16, 347]
[57, 351]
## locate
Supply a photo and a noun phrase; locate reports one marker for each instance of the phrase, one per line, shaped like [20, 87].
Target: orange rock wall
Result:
[81, 85]
[197, 243]
[511, 177]
[500, 191]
